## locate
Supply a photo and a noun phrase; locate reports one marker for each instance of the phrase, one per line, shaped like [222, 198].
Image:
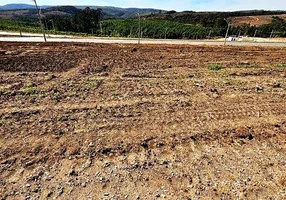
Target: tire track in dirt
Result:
[243, 110]
[206, 116]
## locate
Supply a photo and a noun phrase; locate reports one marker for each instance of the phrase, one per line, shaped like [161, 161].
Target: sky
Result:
[178, 5]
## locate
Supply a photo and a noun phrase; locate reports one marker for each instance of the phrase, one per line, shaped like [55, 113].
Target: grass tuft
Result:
[214, 67]
[281, 65]
[29, 88]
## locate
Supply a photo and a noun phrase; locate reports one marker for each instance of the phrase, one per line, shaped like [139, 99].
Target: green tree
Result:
[86, 20]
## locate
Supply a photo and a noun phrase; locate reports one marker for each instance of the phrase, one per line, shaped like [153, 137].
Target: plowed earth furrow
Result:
[114, 121]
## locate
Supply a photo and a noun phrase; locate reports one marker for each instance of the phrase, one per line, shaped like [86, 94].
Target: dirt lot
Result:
[255, 20]
[118, 121]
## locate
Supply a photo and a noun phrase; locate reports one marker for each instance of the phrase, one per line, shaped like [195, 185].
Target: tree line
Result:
[83, 21]
[90, 21]
[191, 25]
[154, 29]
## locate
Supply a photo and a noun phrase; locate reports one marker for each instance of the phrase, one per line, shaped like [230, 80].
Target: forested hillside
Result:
[108, 11]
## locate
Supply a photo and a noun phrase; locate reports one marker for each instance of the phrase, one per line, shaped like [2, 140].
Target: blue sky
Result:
[179, 5]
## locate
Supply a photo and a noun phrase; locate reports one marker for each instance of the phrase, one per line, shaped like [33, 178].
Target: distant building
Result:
[232, 38]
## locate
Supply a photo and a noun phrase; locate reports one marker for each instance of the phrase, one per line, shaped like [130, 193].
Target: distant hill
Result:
[109, 12]
[18, 7]
[32, 15]
[206, 19]
[69, 10]
[125, 12]
[216, 19]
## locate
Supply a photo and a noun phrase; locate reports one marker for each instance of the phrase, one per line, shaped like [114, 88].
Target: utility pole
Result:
[166, 32]
[18, 24]
[255, 33]
[139, 31]
[100, 24]
[228, 27]
[130, 34]
[39, 15]
[271, 35]
[53, 25]
[143, 32]
[46, 24]
[209, 36]
[20, 31]
[239, 33]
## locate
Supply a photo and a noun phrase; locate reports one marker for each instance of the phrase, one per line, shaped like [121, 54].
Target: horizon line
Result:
[146, 8]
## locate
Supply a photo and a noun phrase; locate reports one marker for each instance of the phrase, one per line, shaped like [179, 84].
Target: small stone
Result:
[144, 145]
[244, 63]
[198, 85]
[106, 194]
[106, 164]
[259, 88]
[164, 162]
[22, 74]
[29, 163]
[28, 185]
[72, 173]
[49, 194]
[214, 90]
[277, 85]
[91, 144]
[51, 77]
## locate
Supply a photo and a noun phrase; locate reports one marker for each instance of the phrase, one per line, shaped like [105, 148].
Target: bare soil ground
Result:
[255, 20]
[119, 121]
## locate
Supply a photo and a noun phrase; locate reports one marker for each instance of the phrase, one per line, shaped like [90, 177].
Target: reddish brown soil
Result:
[255, 20]
[99, 121]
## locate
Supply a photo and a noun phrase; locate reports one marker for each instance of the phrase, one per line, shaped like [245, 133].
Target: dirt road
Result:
[29, 37]
[124, 121]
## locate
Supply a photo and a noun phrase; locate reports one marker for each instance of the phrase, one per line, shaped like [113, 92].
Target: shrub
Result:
[281, 65]
[214, 67]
